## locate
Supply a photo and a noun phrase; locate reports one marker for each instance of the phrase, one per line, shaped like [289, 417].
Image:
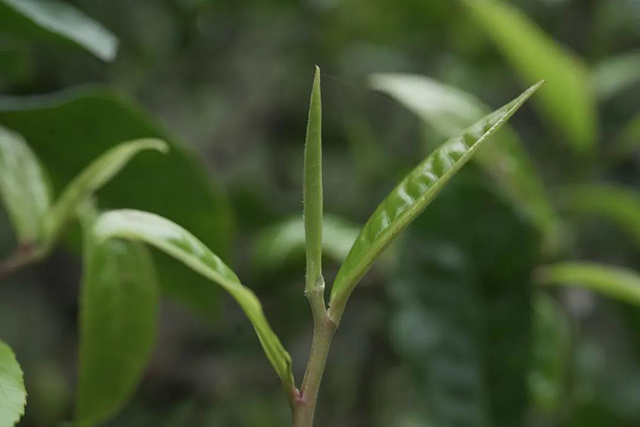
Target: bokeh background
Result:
[449, 329]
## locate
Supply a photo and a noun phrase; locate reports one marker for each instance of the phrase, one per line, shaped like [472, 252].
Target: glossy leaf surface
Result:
[449, 110]
[454, 295]
[58, 21]
[71, 129]
[182, 245]
[313, 187]
[567, 100]
[13, 396]
[24, 187]
[276, 244]
[119, 304]
[616, 282]
[94, 176]
[412, 195]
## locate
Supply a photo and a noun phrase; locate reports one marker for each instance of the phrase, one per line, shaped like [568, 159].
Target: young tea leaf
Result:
[182, 245]
[313, 188]
[51, 125]
[449, 110]
[616, 282]
[57, 20]
[24, 187]
[13, 396]
[567, 100]
[94, 176]
[118, 321]
[411, 196]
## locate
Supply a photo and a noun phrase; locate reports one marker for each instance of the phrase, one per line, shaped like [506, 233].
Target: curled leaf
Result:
[94, 176]
[119, 304]
[174, 240]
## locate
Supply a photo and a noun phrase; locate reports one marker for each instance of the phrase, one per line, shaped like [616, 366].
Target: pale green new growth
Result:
[13, 396]
[24, 187]
[182, 245]
[313, 189]
[449, 111]
[616, 282]
[411, 197]
[94, 176]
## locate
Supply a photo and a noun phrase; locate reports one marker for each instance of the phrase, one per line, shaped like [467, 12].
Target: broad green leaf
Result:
[182, 245]
[551, 354]
[71, 129]
[313, 188]
[13, 396]
[275, 245]
[94, 176]
[567, 100]
[614, 75]
[411, 197]
[59, 21]
[463, 308]
[449, 110]
[616, 282]
[627, 141]
[24, 187]
[119, 304]
[617, 204]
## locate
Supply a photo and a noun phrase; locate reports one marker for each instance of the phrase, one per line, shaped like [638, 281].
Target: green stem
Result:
[324, 328]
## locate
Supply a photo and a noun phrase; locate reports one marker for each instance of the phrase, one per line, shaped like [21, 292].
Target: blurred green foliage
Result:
[231, 79]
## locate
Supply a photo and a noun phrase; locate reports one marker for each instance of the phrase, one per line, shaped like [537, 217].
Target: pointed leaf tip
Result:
[312, 193]
[99, 172]
[412, 196]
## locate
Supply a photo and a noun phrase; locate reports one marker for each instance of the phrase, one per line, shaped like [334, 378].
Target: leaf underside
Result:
[57, 20]
[182, 245]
